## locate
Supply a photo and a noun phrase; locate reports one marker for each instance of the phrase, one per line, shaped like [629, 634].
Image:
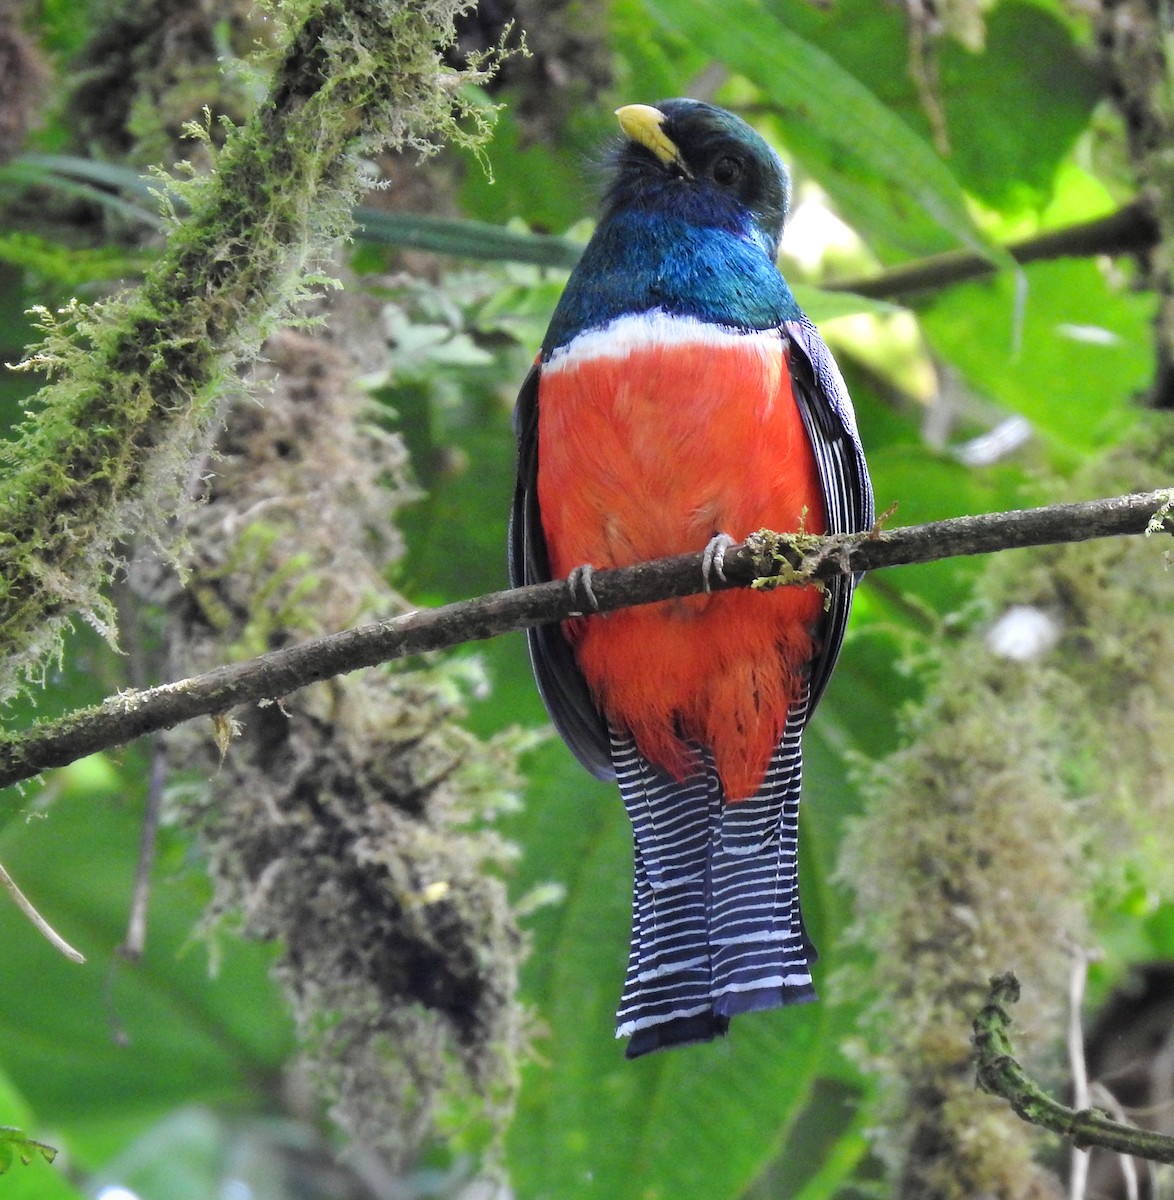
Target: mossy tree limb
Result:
[132, 714]
[136, 380]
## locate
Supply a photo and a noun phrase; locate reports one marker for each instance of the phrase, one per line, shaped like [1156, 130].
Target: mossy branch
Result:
[999, 1074]
[800, 558]
[136, 380]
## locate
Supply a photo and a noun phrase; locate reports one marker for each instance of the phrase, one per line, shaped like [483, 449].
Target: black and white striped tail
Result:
[716, 927]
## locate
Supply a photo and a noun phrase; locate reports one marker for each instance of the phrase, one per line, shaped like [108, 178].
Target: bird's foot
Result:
[582, 592]
[713, 559]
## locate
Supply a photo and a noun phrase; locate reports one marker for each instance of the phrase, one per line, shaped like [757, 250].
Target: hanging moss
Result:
[352, 821]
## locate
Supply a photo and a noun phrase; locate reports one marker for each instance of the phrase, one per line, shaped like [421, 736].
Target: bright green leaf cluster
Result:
[14, 1143]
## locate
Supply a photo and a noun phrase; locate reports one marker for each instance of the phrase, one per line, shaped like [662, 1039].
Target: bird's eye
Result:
[726, 170]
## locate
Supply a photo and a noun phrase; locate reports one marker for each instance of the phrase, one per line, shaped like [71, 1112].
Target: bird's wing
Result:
[560, 682]
[847, 492]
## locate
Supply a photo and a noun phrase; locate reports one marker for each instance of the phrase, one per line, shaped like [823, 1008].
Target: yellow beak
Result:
[643, 124]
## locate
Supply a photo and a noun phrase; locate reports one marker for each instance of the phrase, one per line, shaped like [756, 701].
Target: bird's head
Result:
[704, 165]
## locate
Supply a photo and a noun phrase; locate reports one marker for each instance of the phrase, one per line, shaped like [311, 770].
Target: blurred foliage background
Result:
[988, 780]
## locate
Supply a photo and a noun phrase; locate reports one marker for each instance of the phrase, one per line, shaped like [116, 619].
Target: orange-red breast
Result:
[680, 395]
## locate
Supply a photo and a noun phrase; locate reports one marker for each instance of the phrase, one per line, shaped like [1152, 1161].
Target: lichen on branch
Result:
[135, 381]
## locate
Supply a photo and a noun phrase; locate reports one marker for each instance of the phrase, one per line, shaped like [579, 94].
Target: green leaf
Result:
[650, 64]
[1030, 65]
[25, 1160]
[104, 1049]
[835, 124]
[465, 239]
[15, 1143]
[1084, 349]
[823, 1148]
[95, 171]
[1033, 61]
[83, 179]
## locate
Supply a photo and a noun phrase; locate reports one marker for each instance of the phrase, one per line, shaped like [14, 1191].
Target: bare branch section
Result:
[999, 1074]
[1129, 230]
[779, 558]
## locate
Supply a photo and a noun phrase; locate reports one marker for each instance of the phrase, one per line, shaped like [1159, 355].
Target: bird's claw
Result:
[713, 559]
[582, 593]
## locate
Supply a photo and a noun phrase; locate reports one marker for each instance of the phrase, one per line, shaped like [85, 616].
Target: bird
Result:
[680, 401]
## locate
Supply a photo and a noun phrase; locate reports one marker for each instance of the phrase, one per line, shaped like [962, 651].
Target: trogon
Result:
[681, 399]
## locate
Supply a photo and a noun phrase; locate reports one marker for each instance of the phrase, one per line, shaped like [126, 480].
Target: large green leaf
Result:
[1030, 67]
[1031, 63]
[1084, 349]
[104, 1049]
[836, 125]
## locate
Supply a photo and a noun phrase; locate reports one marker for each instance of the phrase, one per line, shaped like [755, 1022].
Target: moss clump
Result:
[775, 554]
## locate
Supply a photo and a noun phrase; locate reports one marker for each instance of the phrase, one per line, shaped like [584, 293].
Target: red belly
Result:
[652, 454]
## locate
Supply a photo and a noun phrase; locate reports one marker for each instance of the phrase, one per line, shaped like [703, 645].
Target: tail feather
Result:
[667, 980]
[716, 924]
[757, 942]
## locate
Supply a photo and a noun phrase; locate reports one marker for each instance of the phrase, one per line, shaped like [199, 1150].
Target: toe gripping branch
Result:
[579, 584]
[713, 559]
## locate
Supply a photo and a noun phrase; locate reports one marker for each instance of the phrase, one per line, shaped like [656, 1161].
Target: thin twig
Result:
[1082, 1091]
[51, 934]
[999, 1073]
[1129, 230]
[1078, 1171]
[136, 923]
[1103, 1098]
[783, 558]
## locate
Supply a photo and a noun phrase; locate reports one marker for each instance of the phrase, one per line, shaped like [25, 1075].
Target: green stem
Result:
[999, 1074]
